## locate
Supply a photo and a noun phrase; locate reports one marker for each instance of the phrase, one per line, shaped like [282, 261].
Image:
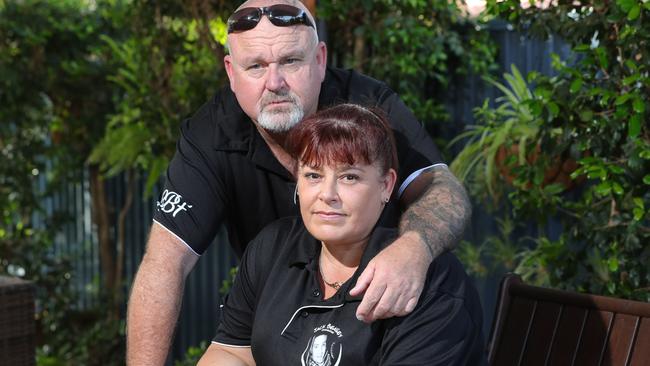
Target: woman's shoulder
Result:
[278, 236]
[447, 275]
[447, 282]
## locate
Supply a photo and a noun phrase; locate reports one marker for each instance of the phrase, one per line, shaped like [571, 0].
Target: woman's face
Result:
[341, 204]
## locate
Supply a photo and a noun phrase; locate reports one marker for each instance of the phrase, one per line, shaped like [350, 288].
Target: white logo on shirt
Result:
[324, 347]
[170, 202]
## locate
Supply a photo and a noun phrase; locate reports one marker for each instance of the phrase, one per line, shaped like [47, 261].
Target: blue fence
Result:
[198, 315]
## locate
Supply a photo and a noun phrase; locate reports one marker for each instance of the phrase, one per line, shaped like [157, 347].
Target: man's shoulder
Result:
[218, 122]
[347, 85]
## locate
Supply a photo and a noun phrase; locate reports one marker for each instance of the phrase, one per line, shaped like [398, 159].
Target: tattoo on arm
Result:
[441, 213]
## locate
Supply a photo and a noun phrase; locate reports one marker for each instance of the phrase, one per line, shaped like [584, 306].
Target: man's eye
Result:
[290, 61]
[254, 67]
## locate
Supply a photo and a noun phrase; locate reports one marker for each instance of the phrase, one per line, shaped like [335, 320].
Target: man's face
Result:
[276, 72]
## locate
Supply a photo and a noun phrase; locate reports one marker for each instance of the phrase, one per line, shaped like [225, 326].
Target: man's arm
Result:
[156, 297]
[437, 214]
[438, 209]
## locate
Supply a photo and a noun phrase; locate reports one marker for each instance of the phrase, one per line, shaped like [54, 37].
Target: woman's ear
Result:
[389, 183]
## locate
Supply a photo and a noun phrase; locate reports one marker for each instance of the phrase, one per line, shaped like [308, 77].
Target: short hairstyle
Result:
[344, 133]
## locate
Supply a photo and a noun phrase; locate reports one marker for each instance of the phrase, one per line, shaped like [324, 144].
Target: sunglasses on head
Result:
[280, 15]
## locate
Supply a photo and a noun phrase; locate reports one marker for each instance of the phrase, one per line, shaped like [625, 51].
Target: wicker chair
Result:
[539, 326]
[16, 322]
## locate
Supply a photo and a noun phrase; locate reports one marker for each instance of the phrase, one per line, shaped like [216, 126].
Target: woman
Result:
[295, 308]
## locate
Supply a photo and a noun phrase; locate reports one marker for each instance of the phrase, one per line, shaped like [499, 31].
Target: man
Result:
[230, 167]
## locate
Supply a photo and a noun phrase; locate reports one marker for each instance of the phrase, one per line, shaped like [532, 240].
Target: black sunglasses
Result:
[280, 15]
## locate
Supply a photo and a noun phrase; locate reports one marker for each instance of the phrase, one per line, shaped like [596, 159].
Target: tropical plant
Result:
[594, 110]
[510, 127]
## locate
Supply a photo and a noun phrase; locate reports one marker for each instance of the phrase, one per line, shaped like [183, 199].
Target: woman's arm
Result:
[221, 355]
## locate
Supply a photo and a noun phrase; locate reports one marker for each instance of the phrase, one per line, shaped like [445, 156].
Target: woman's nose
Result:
[328, 192]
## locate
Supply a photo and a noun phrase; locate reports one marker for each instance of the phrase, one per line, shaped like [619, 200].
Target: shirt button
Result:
[316, 293]
[304, 314]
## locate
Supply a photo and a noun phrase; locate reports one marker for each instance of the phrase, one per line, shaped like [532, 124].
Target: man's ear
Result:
[321, 59]
[227, 63]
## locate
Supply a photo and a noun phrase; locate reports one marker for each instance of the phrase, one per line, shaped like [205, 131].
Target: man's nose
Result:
[275, 78]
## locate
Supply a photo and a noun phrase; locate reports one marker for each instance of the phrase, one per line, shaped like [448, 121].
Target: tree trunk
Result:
[101, 218]
[359, 52]
[121, 239]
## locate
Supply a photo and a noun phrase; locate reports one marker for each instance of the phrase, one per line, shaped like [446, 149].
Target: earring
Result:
[295, 195]
[385, 200]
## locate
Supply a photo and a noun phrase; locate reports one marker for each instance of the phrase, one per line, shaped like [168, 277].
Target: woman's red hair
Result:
[343, 134]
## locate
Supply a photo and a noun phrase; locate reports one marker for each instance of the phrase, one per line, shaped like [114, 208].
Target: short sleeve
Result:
[192, 202]
[238, 309]
[415, 148]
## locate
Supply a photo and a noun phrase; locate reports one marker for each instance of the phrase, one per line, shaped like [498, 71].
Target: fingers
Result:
[388, 292]
[387, 301]
[372, 297]
[392, 281]
[364, 280]
[410, 305]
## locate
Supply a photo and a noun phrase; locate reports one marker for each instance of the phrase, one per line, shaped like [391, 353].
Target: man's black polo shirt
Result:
[224, 172]
[276, 307]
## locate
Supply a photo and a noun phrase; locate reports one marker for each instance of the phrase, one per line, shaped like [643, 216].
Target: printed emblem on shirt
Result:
[324, 347]
[172, 202]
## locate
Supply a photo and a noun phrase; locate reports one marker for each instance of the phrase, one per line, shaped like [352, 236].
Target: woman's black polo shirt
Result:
[276, 306]
[223, 172]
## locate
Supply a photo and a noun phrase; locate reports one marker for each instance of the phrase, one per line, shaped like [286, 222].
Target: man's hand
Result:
[393, 279]
[437, 211]
[156, 298]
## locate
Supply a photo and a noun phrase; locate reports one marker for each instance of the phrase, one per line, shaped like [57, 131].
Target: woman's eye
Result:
[311, 176]
[350, 177]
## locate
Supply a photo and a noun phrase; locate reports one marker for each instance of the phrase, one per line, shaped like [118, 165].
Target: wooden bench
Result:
[17, 326]
[540, 326]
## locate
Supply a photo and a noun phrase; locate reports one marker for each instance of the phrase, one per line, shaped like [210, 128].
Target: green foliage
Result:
[226, 284]
[164, 69]
[99, 82]
[192, 355]
[511, 127]
[594, 112]
[418, 47]
[53, 94]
